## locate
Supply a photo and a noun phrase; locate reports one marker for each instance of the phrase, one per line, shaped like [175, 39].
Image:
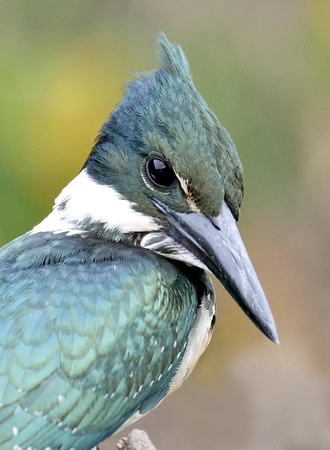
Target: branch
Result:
[136, 440]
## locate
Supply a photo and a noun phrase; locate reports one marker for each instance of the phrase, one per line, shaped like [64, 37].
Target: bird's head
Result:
[166, 173]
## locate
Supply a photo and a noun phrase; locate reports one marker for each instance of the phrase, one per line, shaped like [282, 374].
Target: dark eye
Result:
[160, 173]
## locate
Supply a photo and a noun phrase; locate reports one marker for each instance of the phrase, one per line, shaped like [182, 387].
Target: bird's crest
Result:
[172, 58]
[162, 109]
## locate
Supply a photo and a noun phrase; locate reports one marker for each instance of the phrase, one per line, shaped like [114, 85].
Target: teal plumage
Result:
[163, 113]
[81, 355]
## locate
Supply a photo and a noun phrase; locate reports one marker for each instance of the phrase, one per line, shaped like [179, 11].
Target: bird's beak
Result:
[216, 242]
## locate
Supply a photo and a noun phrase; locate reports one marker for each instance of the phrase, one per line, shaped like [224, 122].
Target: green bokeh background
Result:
[263, 67]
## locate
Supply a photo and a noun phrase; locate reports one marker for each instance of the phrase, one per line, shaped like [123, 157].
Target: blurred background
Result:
[263, 67]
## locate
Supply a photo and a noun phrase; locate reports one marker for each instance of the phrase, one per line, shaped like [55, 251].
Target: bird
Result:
[107, 304]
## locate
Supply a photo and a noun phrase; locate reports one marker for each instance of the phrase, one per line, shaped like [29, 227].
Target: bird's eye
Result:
[160, 173]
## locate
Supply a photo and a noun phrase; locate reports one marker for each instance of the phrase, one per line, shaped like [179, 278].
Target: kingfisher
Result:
[107, 304]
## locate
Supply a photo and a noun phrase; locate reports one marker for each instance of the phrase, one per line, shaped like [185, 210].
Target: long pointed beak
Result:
[216, 242]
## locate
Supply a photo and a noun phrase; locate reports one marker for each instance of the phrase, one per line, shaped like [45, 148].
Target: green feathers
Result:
[172, 59]
[162, 114]
[85, 354]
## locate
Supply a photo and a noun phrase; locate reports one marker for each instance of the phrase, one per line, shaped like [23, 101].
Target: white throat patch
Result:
[164, 245]
[84, 199]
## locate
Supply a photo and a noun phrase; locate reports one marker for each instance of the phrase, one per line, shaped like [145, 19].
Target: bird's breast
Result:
[199, 339]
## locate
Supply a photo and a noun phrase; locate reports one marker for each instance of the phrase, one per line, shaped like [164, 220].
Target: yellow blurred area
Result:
[264, 68]
[74, 106]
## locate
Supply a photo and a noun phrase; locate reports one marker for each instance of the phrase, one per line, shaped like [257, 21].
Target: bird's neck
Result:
[86, 206]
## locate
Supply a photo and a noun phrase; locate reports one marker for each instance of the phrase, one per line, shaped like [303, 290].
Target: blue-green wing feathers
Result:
[86, 337]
